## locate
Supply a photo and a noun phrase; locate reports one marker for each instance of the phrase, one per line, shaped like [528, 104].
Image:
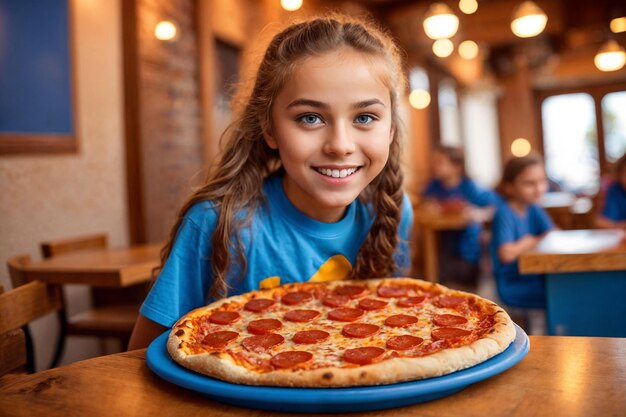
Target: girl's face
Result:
[530, 185]
[332, 126]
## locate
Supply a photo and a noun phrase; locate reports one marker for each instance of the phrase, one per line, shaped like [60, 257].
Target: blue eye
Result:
[310, 119]
[364, 119]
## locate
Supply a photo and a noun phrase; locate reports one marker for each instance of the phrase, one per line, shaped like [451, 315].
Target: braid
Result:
[375, 258]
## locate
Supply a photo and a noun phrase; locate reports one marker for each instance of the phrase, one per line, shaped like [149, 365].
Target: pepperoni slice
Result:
[334, 300]
[363, 355]
[218, 340]
[449, 301]
[261, 343]
[359, 330]
[352, 291]
[224, 317]
[259, 304]
[345, 314]
[310, 336]
[412, 301]
[301, 316]
[400, 320]
[264, 326]
[290, 358]
[404, 342]
[298, 297]
[446, 320]
[372, 304]
[393, 291]
[449, 333]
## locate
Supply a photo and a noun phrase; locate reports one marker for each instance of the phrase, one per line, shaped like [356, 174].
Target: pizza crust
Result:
[221, 365]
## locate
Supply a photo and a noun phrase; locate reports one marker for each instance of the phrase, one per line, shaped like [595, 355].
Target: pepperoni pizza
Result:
[341, 333]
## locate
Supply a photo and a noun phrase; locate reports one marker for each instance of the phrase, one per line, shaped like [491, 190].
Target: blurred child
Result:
[518, 225]
[452, 191]
[613, 214]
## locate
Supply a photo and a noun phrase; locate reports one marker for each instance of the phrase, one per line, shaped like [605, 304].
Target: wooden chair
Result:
[114, 310]
[19, 307]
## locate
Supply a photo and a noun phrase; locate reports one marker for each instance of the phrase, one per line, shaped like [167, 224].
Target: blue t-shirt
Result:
[465, 241]
[281, 245]
[509, 226]
[615, 203]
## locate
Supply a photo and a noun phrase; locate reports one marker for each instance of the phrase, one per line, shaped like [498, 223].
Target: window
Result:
[578, 148]
[570, 142]
[614, 124]
[449, 114]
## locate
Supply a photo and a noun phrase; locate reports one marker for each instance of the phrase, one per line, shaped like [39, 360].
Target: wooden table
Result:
[430, 224]
[561, 376]
[585, 281]
[114, 267]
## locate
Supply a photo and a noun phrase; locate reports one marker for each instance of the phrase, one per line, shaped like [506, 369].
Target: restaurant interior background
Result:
[146, 113]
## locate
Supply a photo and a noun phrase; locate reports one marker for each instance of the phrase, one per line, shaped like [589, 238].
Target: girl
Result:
[518, 226]
[309, 185]
[613, 213]
[451, 190]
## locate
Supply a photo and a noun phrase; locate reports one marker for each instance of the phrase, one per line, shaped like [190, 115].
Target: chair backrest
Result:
[19, 307]
[16, 271]
[73, 244]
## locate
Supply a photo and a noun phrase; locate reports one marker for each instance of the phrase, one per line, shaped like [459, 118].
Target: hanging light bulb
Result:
[419, 99]
[291, 5]
[520, 147]
[610, 57]
[468, 49]
[468, 6]
[528, 20]
[618, 25]
[443, 48]
[440, 22]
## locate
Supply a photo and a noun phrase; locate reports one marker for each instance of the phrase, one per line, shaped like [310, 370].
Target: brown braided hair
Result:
[236, 182]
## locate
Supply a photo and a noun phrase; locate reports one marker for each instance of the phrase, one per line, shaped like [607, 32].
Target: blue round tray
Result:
[332, 400]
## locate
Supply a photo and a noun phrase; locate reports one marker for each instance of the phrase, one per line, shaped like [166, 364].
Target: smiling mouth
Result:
[337, 173]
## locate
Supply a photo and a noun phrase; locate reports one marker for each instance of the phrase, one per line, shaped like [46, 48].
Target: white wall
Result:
[51, 197]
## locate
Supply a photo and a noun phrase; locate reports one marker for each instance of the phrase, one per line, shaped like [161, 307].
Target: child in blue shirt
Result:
[308, 187]
[452, 190]
[518, 225]
[613, 214]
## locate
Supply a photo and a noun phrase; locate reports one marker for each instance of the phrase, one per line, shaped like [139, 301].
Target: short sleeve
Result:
[502, 229]
[402, 255]
[479, 196]
[542, 221]
[183, 283]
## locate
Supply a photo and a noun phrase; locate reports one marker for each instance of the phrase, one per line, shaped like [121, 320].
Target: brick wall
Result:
[170, 141]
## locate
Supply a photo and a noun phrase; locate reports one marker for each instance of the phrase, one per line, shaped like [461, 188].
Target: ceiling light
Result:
[468, 6]
[610, 57]
[165, 31]
[419, 99]
[618, 25]
[443, 48]
[440, 22]
[468, 49]
[528, 20]
[520, 147]
[291, 5]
